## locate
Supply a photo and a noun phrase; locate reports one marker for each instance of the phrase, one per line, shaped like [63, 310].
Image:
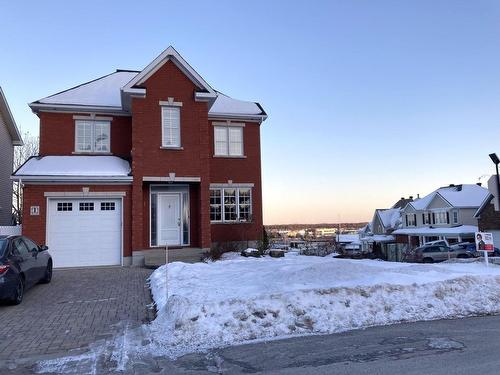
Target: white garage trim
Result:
[50, 196]
[90, 194]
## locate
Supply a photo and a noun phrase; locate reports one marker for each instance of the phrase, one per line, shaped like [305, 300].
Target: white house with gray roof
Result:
[446, 213]
[9, 137]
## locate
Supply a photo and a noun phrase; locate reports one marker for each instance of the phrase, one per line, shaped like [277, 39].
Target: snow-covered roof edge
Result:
[17, 140]
[170, 54]
[51, 168]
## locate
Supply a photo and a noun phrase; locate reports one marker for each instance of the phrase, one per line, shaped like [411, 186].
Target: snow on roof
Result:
[103, 91]
[470, 195]
[348, 238]
[466, 195]
[75, 165]
[106, 92]
[225, 105]
[379, 238]
[428, 231]
[391, 218]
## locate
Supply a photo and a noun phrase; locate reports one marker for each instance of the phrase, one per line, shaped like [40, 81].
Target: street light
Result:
[494, 158]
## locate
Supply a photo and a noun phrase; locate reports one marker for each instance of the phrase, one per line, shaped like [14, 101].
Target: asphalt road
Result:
[445, 347]
[461, 346]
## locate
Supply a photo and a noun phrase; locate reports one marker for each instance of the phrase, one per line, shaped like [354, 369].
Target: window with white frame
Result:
[411, 220]
[231, 205]
[440, 217]
[171, 126]
[92, 136]
[455, 217]
[426, 216]
[228, 140]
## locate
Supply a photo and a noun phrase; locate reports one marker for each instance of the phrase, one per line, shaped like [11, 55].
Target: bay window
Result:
[231, 205]
[92, 136]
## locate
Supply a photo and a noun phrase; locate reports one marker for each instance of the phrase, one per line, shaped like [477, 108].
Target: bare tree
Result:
[21, 154]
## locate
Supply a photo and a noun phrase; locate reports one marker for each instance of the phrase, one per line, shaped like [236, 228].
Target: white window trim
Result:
[227, 125]
[93, 120]
[414, 217]
[436, 215]
[170, 104]
[237, 221]
[453, 213]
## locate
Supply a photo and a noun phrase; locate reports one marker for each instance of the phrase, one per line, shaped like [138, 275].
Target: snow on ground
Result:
[241, 299]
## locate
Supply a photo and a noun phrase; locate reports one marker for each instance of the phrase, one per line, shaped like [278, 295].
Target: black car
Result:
[22, 264]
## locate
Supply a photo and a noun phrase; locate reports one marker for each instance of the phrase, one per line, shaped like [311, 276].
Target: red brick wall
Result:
[240, 170]
[34, 226]
[148, 159]
[489, 219]
[57, 134]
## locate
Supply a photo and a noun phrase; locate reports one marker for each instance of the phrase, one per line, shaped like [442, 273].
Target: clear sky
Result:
[368, 101]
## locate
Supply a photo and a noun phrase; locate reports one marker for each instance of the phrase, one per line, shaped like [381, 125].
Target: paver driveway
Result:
[79, 307]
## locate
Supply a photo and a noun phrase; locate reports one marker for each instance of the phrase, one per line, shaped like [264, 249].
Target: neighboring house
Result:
[377, 236]
[488, 214]
[139, 160]
[9, 137]
[446, 213]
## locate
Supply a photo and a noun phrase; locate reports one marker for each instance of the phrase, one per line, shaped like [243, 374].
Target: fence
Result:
[10, 230]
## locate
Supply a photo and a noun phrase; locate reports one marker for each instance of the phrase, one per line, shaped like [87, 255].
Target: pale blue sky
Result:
[367, 100]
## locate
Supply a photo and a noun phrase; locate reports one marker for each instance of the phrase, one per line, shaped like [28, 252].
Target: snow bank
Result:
[234, 301]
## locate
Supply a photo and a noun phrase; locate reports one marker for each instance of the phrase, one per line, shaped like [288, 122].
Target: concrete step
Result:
[156, 257]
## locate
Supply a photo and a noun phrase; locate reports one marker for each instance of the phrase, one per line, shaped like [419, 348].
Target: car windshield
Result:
[3, 246]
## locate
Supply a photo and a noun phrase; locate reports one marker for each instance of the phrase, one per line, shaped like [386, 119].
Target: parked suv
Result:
[436, 253]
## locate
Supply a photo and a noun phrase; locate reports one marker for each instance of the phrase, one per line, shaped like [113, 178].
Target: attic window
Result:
[92, 136]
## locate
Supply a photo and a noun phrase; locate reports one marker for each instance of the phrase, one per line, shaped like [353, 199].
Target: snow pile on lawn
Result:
[233, 301]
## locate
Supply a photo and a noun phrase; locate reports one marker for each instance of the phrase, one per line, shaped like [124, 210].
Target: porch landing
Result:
[156, 257]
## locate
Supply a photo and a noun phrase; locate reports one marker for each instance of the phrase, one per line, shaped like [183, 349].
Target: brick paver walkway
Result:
[76, 309]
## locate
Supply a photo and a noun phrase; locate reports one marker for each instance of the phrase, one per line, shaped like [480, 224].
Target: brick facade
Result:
[489, 219]
[138, 138]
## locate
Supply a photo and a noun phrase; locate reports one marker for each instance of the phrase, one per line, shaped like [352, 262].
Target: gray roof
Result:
[9, 120]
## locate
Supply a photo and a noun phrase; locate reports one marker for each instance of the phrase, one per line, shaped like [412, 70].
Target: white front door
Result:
[169, 219]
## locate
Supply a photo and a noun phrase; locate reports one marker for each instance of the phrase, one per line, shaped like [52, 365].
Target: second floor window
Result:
[228, 140]
[411, 220]
[455, 217]
[441, 217]
[92, 136]
[171, 126]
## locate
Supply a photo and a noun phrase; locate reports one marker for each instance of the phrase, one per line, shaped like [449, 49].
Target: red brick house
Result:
[137, 160]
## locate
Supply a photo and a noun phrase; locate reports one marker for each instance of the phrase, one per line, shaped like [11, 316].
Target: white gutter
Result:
[85, 179]
[77, 108]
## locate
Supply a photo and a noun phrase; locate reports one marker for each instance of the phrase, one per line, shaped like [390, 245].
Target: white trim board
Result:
[170, 179]
[81, 194]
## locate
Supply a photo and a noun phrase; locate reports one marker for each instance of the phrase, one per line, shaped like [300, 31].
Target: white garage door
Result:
[84, 232]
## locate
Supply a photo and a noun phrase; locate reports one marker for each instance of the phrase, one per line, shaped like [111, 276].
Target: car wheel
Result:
[47, 277]
[428, 260]
[19, 292]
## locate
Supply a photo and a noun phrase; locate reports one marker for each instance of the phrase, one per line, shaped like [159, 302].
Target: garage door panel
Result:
[85, 237]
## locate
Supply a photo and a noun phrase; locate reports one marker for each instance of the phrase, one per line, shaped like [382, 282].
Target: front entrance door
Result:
[169, 219]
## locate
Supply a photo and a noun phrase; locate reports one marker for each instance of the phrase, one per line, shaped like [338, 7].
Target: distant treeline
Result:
[314, 226]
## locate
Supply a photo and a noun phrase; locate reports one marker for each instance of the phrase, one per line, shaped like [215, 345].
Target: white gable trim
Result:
[437, 195]
[169, 54]
[9, 121]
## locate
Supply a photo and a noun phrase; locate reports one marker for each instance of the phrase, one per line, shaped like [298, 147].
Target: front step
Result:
[156, 257]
